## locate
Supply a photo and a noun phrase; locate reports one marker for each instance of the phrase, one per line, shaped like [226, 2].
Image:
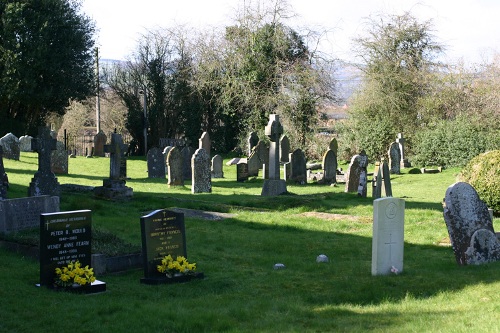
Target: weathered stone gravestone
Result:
[174, 166]
[99, 142]
[11, 147]
[217, 167]
[394, 158]
[252, 140]
[114, 187]
[205, 143]
[25, 143]
[284, 149]
[329, 166]
[163, 233]
[166, 150]
[334, 146]
[156, 163]
[66, 237]
[242, 172]
[470, 226]
[59, 160]
[4, 179]
[262, 152]
[254, 163]
[381, 182]
[401, 141]
[356, 175]
[274, 185]
[187, 154]
[298, 167]
[200, 164]
[44, 182]
[24, 213]
[388, 236]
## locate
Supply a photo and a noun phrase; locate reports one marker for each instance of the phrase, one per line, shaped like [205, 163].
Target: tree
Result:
[46, 59]
[397, 55]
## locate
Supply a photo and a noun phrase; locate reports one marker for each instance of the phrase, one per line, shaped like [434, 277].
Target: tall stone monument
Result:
[274, 185]
[44, 182]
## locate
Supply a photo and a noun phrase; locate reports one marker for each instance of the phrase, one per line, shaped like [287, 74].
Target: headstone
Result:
[388, 235]
[205, 143]
[329, 167]
[24, 213]
[187, 154]
[217, 168]
[253, 139]
[166, 150]
[44, 182]
[11, 147]
[334, 146]
[4, 179]
[254, 163]
[242, 172]
[114, 187]
[25, 143]
[394, 158]
[284, 149]
[155, 163]
[163, 233]
[59, 160]
[356, 175]
[262, 152]
[175, 165]
[273, 185]
[381, 183]
[99, 142]
[66, 237]
[386, 176]
[401, 141]
[470, 226]
[200, 164]
[298, 170]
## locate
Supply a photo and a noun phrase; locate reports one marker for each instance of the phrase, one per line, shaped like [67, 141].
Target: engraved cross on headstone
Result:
[390, 243]
[273, 130]
[43, 144]
[116, 148]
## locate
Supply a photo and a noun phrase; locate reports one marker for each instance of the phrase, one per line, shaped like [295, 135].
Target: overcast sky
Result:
[470, 29]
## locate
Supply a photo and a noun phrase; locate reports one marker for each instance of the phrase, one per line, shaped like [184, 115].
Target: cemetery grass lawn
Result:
[242, 292]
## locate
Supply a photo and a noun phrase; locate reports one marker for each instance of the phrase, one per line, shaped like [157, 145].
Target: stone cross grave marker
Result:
[401, 141]
[284, 149]
[200, 164]
[394, 158]
[44, 182]
[470, 226]
[205, 143]
[217, 167]
[388, 236]
[175, 165]
[116, 150]
[252, 140]
[99, 142]
[273, 185]
[156, 163]
[66, 237]
[163, 233]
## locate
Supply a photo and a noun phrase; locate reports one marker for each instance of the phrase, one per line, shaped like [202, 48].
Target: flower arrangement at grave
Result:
[175, 267]
[74, 275]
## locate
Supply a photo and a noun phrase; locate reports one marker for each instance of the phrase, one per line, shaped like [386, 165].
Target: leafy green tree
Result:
[46, 59]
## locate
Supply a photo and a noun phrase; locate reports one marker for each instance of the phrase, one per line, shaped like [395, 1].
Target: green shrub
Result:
[483, 173]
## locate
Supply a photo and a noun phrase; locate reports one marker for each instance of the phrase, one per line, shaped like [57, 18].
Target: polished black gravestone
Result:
[163, 233]
[66, 237]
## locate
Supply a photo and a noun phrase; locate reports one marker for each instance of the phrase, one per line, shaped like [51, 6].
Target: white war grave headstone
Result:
[388, 236]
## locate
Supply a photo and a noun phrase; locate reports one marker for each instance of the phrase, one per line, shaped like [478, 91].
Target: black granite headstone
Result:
[66, 237]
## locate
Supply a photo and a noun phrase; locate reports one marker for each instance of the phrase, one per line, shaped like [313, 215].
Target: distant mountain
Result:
[348, 77]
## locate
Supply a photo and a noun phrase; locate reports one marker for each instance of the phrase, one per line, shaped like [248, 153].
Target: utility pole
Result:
[97, 100]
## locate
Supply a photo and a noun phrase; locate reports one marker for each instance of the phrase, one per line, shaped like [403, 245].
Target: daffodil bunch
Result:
[170, 266]
[74, 273]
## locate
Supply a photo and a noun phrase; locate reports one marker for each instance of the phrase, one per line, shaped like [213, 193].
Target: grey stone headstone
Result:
[254, 164]
[329, 166]
[262, 152]
[25, 143]
[200, 163]
[395, 158]
[386, 176]
[99, 142]
[59, 160]
[356, 175]
[252, 140]
[401, 141]
[175, 165]
[24, 213]
[334, 146]
[11, 147]
[298, 169]
[388, 235]
[217, 167]
[205, 143]
[470, 226]
[166, 150]
[44, 182]
[284, 149]
[156, 163]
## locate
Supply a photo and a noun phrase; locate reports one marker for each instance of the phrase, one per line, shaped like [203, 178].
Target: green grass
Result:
[242, 292]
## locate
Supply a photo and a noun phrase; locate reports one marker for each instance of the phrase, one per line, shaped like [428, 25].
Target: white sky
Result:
[470, 29]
